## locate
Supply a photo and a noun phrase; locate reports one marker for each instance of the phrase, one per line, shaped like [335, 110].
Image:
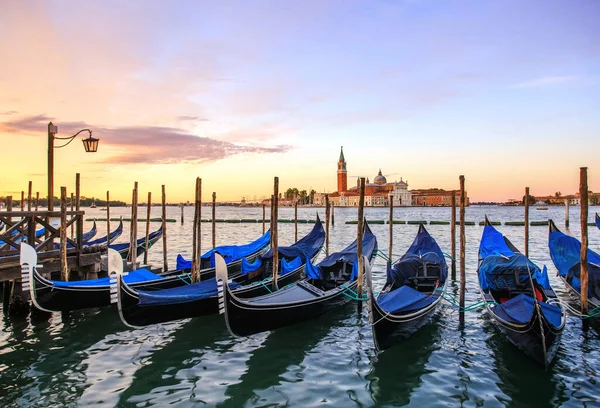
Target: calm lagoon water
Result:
[89, 358]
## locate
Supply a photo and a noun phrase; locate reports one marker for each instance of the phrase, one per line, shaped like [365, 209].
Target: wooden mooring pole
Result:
[22, 203]
[359, 242]
[133, 230]
[327, 224]
[29, 193]
[195, 257]
[64, 271]
[462, 245]
[332, 213]
[37, 200]
[181, 212]
[567, 212]
[583, 196]
[107, 219]
[72, 208]
[274, 232]
[527, 221]
[148, 210]
[296, 221]
[214, 214]
[391, 248]
[453, 235]
[271, 218]
[164, 228]
[264, 210]
[79, 226]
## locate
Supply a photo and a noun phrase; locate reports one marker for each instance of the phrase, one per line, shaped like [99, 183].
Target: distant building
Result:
[435, 197]
[377, 194]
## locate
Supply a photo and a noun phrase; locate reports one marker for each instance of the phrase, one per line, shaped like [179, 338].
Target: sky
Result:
[237, 92]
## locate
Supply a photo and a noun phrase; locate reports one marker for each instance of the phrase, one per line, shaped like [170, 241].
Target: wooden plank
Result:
[12, 270]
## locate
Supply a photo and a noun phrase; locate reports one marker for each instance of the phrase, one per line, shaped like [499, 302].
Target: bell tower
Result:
[342, 174]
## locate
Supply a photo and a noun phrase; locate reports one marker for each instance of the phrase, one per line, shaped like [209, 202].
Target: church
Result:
[377, 194]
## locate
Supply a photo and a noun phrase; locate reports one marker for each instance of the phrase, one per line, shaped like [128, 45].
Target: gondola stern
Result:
[221, 274]
[28, 260]
[552, 226]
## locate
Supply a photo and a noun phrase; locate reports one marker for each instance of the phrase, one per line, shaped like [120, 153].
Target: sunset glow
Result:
[506, 93]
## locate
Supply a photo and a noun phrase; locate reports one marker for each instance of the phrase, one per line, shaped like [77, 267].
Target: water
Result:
[89, 358]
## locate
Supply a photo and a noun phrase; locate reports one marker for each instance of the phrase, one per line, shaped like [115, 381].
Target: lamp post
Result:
[90, 145]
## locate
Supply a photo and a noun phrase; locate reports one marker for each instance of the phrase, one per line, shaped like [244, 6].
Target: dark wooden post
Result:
[134, 217]
[271, 218]
[567, 212]
[22, 200]
[72, 208]
[453, 234]
[264, 210]
[51, 130]
[359, 241]
[148, 214]
[527, 221]
[37, 200]
[391, 229]
[64, 271]
[79, 227]
[164, 228]
[462, 244]
[195, 239]
[181, 213]
[296, 221]
[9, 204]
[274, 232]
[327, 224]
[331, 205]
[107, 219]
[583, 196]
[214, 214]
[29, 192]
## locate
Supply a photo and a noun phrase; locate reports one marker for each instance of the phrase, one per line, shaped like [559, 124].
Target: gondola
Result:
[50, 295]
[99, 241]
[328, 285]
[519, 298]
[411, 293]
[565, 252]
[141, 308]
[123, 248]
[90, 234]
[116, 233]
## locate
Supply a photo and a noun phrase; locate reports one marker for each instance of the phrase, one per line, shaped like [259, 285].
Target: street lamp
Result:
[90, 144]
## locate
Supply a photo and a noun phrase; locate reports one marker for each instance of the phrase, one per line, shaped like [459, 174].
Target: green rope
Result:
[454, 302]
[262, 282]
[183, 280]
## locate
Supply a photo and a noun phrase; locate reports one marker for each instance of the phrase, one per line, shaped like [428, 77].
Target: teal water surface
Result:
[89, 358]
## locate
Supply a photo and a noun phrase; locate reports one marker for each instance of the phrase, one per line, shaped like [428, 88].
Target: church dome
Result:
[380, 178]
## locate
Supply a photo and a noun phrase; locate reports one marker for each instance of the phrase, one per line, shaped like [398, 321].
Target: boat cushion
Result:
[248, 267]
[139, 275]
[182, 294]
[404, 299]
[519, 310]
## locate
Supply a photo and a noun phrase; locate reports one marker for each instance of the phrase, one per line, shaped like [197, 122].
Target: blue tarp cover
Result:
[424, 249]
[181, 294]
[230, 253]
[347, 255]
[139, 275]
[497, 272]
[248, 267]
[404, 299]
[305, 247]
[520, 310]
[290, 266]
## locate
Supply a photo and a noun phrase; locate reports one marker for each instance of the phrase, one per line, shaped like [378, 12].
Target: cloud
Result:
[147, 144]
[545, 81]
[192, 119]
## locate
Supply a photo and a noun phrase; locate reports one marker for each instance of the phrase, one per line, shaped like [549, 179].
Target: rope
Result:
[454, 302]
[595, 312]
[449, 256]
[262, 282]
[183, 280]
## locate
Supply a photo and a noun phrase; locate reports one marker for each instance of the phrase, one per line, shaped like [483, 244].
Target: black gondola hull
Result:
[245, 319]
[539, 343]
[389, 329]
[59, 299]
[135, 315]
